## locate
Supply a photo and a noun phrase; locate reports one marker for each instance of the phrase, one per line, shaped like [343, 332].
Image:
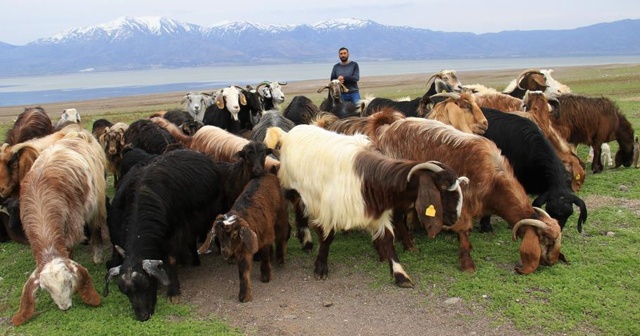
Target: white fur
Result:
[232, 100]
[59, 278]
[554, 88]
[605, 155]
[319, 165]
[196, 104]
[276, 93]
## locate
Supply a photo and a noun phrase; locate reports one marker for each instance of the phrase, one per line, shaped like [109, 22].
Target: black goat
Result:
[535, 164]
[149, 137]
[301, 110]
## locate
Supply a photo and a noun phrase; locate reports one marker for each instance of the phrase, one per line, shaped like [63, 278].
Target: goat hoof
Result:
[244, 298]
[307, 247]
[174, 299]
[402, 281]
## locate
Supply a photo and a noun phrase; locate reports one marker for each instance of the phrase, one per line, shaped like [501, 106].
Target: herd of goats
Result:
[226, 169]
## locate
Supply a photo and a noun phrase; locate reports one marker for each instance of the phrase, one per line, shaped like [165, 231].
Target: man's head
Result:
[343, 53]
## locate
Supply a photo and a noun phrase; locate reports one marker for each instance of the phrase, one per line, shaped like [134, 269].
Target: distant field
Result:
[597, 293]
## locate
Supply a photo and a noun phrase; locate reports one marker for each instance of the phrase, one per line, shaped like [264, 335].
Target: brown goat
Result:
[353, 125]
[257, 219]
[499, 101]
[112, 142]
[636, 152]
[594, 121]
[459, 111]
[493, 188]
[64, 189]
[32, 123]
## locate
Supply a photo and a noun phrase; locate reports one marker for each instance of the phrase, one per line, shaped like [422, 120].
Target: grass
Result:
[596, 293]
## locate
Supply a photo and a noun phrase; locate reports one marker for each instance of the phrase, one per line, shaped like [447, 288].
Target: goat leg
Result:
[173, 290]
[401, 277]
[265, 263]
[321, 267]
[244, 272]
[464, 252]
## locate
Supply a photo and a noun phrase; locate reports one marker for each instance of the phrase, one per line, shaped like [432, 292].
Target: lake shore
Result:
[373, 85]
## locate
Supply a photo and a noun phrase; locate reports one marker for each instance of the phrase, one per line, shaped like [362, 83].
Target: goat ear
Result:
[86, 290]
[322, 89]
[343, 88]
[26, 157]
[429, 205]
[27, 300]
[220, 101]
[243, 99]
[529, 251]
[540, 80]
[249, 239]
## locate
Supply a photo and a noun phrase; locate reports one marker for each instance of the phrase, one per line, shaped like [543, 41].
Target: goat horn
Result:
[527, 221]
[229, 220]
[262, 84]
[425, 165]
[113, 271]
[285, 83]
[457, 184]
[453, 95]
[437, 74]
[524, 73]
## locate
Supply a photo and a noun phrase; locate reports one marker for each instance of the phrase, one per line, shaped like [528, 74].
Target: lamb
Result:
[369, 185]
[257, 219]
[64, 188]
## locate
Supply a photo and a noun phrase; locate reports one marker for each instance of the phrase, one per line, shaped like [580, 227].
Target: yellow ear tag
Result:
[577, 176]
[431, 211]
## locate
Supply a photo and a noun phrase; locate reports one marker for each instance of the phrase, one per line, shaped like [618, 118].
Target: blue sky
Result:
[23, 21]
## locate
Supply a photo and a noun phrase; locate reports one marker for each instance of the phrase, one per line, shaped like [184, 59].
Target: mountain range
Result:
[159, 42]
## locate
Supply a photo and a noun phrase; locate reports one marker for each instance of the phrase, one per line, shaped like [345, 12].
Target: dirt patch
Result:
[294, 303]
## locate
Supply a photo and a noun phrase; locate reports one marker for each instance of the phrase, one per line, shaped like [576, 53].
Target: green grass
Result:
[597, 293]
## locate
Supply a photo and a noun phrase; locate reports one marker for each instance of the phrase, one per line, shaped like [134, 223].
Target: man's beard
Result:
[344, 59]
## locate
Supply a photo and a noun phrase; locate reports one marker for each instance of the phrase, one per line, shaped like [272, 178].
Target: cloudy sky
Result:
[23, 21]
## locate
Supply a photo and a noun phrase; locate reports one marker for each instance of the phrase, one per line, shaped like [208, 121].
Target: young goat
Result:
[257, 219]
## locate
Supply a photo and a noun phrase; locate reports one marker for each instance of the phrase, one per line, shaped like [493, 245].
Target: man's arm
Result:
[333, 73]
[355, 75]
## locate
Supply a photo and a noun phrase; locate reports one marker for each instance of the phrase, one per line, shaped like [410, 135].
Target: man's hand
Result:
[341, 79]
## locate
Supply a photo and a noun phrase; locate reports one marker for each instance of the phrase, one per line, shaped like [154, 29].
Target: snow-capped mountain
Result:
[156, 42]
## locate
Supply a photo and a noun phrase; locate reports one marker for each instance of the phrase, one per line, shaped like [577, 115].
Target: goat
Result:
[150, 137]
[535, 165]
[443, 81]
[535, 80]
[251, 112]
[271, 93]
[182, 119]
[368, 184]
[196, 104]
[172, 200]
[257, 219]
[64, 188]
[459, 111]
[112, 142]
[224, 113]
[301, 110]
[68, 116]
[493, 190]
[594, 121]
[98, 127]
[30, 124]
[334, 94]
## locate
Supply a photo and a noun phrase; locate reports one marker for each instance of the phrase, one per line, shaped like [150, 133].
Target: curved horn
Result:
[285, 83]
[430, 165]
[555, 104]
[262, 83]
[540, 211]
[583, 211]
[437, 74]
[113, 271]
[461, 179]
[440, 97]
[527, 221]
[152, 267]
[524, 73]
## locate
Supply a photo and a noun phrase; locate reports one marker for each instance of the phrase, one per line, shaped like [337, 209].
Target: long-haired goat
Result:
[63, 190]
[356, 188]
[146, 135]
[594, 121]
[493, 189]
[32, 123]
[112, 142]
[301, 110]
[535, 80]
[271, 93]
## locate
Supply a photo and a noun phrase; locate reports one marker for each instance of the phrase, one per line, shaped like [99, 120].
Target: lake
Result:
[88, 85]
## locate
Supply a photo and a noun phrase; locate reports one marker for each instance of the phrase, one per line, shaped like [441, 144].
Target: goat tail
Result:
[273, 138]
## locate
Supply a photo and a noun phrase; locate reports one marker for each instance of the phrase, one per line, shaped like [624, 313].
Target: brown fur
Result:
[32, 123]
[463, 113]
[57, 196]
[499, 101]
[594, 121]
[636, 151]
[213, 141]
[261, 219]
[112, 142]
[493, 190]
[353, 125]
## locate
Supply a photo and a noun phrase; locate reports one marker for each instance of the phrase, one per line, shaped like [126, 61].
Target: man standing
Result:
[348, 73]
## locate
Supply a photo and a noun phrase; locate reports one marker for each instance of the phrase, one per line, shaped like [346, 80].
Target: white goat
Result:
[197, 103]
[69, 115]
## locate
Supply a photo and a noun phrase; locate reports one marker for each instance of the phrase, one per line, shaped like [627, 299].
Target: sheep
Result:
[605, 157]
[172, 199]
[443, 81]
[112, 142]
[196, 104]
[301, 110]
[257, 219]
[30, 124]
[150, 137]
[68, 116]
[224, 113]
[493, 189]
[594, 121]
[535, 165]
[357, 188]
[271, 93]
[64, 188]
